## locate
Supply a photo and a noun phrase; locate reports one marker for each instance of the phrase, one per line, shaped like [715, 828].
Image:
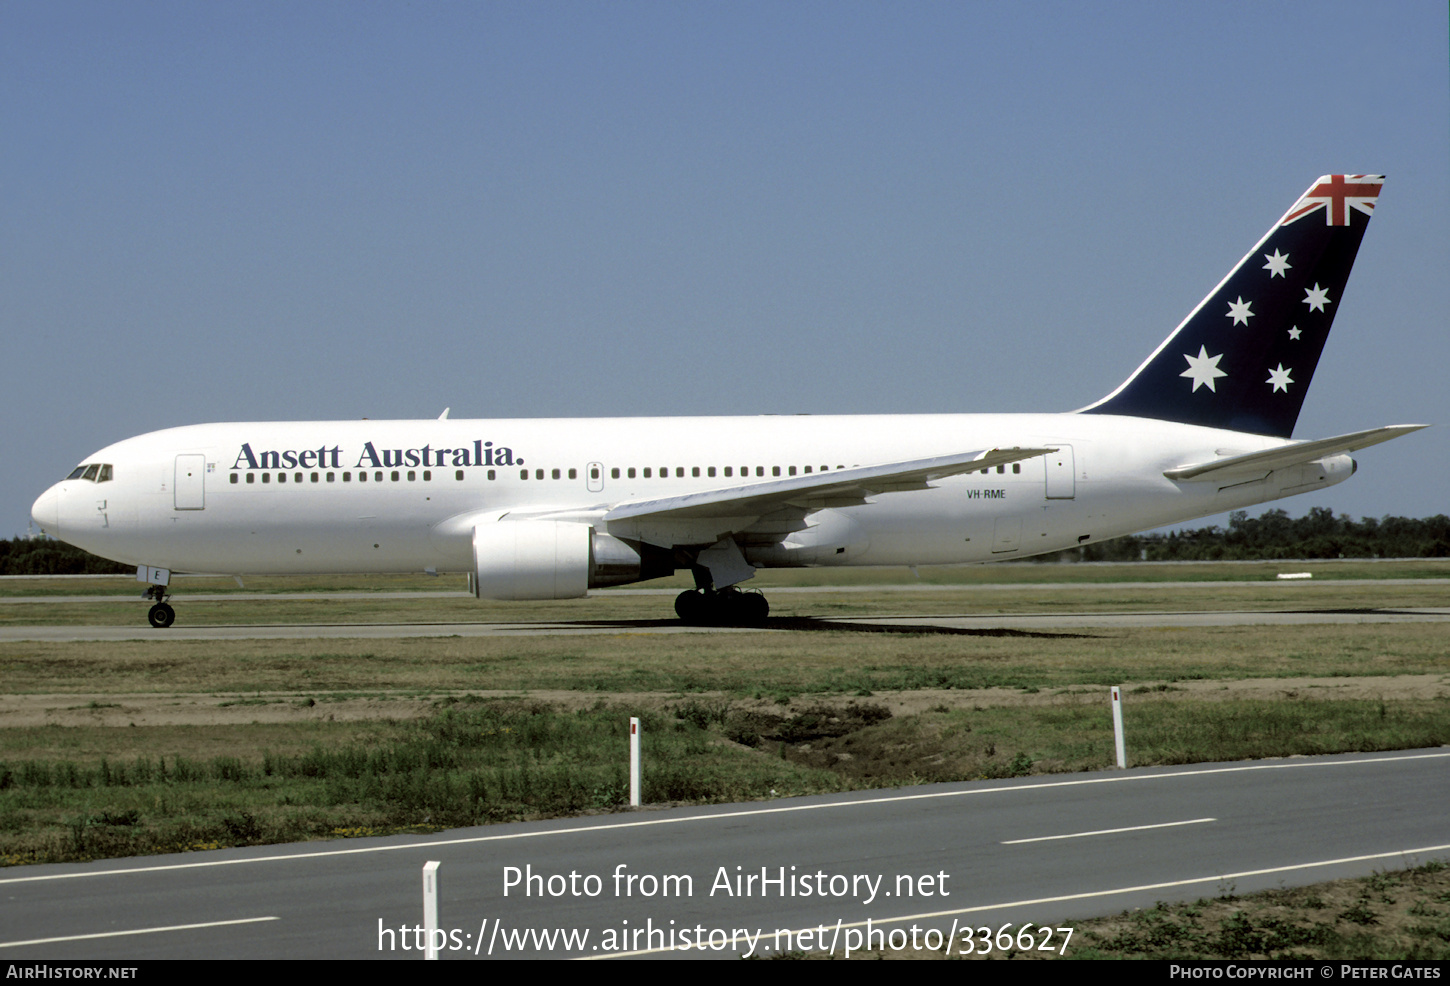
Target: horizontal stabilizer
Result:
[1259, 463]
[855, 483]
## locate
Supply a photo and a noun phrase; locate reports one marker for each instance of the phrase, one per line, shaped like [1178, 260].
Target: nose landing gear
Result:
[161, 615]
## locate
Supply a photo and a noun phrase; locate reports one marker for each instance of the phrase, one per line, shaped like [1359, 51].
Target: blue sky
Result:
[306, 211]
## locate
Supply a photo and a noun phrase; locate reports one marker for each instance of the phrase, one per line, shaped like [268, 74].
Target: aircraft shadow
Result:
[808, 624]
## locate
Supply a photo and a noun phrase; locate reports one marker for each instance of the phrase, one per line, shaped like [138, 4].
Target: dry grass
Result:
[826, 661]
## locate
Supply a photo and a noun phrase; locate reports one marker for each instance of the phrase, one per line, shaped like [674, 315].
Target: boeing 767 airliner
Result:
[547, 509]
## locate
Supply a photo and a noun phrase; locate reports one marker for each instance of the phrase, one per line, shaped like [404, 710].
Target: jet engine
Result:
[551, 559]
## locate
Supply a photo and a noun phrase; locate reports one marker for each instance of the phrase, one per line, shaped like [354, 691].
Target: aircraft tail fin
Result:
[1242, 360]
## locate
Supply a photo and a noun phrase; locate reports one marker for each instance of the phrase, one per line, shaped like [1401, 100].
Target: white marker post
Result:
[430, 906]
[633, 762]
[1118, 726]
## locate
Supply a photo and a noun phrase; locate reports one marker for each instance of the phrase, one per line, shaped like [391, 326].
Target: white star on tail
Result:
[1294, 332]
[1239, 311]
[1280, 378]
[1203, 369]
[1316, 298]
[1277, 264]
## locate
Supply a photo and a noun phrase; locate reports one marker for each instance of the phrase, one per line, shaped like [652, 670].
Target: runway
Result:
[804, 874]
[885, 623]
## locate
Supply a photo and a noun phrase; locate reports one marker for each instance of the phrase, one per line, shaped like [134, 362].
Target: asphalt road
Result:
[1040, 851]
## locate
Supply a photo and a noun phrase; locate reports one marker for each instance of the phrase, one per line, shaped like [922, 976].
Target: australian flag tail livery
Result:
[1242, 360]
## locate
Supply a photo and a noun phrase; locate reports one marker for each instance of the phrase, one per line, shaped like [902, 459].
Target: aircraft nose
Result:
[46, 512]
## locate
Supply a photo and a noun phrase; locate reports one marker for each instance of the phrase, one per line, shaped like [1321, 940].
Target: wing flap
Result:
[1261, 463]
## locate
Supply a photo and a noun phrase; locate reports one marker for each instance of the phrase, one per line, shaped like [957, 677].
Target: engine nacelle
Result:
[550, 559]
[531, 559]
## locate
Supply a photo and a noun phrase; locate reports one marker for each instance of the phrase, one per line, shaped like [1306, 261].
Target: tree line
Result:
[47, 556]
[1274, 534]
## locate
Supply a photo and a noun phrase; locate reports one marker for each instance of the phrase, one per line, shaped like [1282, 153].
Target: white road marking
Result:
[718, 816]
[134, 931]
[1066, 897]
[1131, 828]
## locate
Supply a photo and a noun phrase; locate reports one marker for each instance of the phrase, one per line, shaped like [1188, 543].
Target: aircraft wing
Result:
[1261, 463]
[839, 486]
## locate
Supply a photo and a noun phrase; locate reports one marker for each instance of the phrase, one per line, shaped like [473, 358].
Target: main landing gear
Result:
[161, 615]
[723, 607]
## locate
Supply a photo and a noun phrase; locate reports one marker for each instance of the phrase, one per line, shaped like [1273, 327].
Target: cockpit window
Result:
[96, 472]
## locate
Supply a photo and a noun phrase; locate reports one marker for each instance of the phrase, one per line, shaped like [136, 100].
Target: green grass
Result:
[472, 762]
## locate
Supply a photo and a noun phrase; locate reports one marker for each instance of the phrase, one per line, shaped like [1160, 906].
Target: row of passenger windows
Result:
[347, 477]
[412, 475]
[630, 472]
[96, 472]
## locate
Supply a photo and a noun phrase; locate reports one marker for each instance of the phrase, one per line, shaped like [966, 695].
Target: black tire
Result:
[161, 616]
[754, 609]
[691, 606]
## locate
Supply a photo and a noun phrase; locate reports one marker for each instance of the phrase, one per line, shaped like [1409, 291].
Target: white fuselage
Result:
[275, 497]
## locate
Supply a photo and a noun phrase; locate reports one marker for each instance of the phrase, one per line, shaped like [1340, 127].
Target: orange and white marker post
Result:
[1117, 691]
[634, 762]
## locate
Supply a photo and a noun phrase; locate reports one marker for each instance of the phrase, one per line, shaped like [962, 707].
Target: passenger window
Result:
[314, 477]
[378, 476]
[711, 471]
[523, 474]
[630, 472]
[760, 470]
[695, 471]
[347, 476]
[297, 478]
[1001, 469]
[556, 474]
[458, 475]
[792, 470]
[573, 473]
[362, 477]
[729, 471]
[395, 476]
[331, 477]
[775, 470]
[1017, 467]
[594, 473]
[491, 474]
[538, 474]
[647, 472]
[250, 477]
[614, 473]
[679, 472]
[281, 477]
[266, 477]
[427, 475]
[808, 469]
[234, 479]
